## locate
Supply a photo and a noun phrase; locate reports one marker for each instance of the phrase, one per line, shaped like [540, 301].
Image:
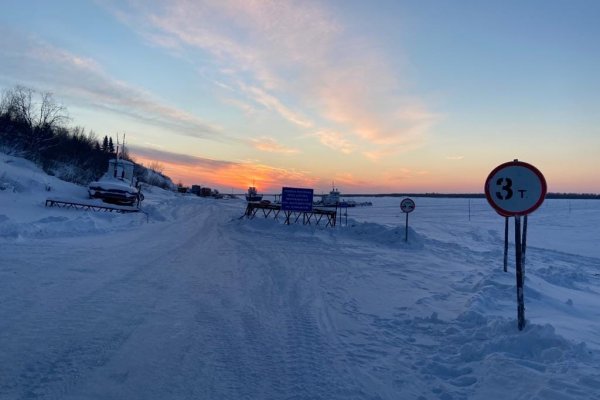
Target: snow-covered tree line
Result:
[35, 126]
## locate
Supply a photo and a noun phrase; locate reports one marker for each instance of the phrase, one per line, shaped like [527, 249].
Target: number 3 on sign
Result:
[515, 188]
[506, 185]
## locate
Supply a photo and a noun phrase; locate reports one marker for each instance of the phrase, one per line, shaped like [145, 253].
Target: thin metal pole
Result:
[524, 245]
[519, 270]
[505, 244]
[469, 209]
[406, 229]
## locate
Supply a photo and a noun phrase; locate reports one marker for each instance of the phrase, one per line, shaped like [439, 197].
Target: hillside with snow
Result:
[186, 300]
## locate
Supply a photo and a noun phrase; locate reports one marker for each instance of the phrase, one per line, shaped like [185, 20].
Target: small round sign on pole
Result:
[516, 189]
[407, 206]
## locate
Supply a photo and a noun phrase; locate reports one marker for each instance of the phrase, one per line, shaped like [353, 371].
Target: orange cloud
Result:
[399, 123]
[272, 146]
[237, 176]
[226, 175]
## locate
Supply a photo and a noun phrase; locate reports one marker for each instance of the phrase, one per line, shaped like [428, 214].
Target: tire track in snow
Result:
[307, 375]
[83, 332]
[282, 331]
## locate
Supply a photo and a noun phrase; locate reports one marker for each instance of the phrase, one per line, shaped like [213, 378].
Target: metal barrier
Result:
[81, 205]
[308, 217]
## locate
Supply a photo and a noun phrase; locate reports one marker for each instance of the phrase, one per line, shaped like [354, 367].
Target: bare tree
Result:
[51, 114]
[156, 167]
[18, 104]
[78, 132]
[93, 137]
[39, 119]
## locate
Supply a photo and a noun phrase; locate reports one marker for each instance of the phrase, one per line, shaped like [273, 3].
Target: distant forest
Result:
[34, 126]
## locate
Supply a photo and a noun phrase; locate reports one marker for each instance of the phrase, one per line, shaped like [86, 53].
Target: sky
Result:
[372, 97]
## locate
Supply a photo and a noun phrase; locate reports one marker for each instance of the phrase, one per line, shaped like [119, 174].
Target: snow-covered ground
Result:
[188, 301]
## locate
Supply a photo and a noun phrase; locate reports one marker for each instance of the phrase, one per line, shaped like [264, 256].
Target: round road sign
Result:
[515, 188]
[407, 205]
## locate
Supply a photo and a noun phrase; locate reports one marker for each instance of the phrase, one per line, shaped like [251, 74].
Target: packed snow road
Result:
[195, 303]
[190, 308]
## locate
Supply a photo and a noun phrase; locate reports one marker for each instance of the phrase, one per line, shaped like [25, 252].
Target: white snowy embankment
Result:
[189, 301]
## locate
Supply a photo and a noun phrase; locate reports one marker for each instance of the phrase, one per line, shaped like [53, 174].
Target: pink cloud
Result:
[272, 146]
[336, 141]
[297, 60]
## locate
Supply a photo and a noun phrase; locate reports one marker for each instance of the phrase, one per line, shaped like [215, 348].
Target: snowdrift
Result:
[188, 300]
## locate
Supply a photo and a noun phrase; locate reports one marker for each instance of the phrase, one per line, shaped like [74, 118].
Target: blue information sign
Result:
[296, 199]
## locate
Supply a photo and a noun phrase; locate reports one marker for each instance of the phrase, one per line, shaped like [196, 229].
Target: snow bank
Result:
[189, 299]
[383, 235]
[24, 188]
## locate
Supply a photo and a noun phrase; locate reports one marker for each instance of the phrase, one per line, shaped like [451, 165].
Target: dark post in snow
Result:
[519, 270]
[469, 209]
[407, 206]
[505, 244]
[524, 244]
[406, 229]
[336, 213]
[516, 189]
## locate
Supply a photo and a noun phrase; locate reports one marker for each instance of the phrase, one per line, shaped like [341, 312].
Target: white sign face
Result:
[407, 205]
[515, 188]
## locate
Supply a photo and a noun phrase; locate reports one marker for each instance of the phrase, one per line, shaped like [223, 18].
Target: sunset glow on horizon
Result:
[382, 97]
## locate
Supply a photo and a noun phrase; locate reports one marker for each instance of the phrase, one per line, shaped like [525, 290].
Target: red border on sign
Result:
[531, 209]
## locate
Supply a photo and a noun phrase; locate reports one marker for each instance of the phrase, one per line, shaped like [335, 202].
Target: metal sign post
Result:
[406, 229]
[524, 244]
[516, 189]
[519, 272]
[407, 206]
[469, 209]
[505, 244]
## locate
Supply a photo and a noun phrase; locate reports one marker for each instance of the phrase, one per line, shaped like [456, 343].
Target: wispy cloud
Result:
[296, 59]
[272, 146]
[155, 154]
[30, 61]
[273, 103]
[336, 141]
[455, 158]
